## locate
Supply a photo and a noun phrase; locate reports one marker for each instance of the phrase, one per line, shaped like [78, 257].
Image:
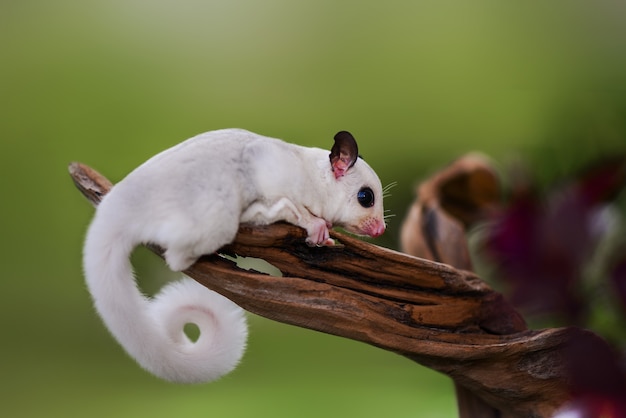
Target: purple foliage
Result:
[542, 243]
[618, 278]
[597, 378]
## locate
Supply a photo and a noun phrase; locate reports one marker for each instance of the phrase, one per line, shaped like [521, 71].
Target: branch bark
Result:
[445, 205]
[440, 316]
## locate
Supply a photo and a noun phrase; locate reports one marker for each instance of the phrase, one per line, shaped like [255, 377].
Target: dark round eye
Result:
[365, 196]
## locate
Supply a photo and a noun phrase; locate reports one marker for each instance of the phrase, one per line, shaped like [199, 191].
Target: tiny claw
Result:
[328, 243]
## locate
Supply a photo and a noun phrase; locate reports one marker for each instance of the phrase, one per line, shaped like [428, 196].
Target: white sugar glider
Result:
[190, 200]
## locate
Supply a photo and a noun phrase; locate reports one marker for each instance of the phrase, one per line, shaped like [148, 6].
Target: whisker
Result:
[387, 221]
[389, 186]
[387, 216]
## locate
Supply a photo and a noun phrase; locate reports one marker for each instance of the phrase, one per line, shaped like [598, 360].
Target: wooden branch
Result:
[442, 317]
[445, 205]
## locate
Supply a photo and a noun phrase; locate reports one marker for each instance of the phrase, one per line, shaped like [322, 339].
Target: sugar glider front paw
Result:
[318, 234]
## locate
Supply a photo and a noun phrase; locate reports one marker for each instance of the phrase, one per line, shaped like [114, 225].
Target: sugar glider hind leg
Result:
[188, 241]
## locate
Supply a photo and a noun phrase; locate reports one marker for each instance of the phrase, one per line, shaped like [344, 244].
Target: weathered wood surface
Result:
[440, 316]
[445, 205]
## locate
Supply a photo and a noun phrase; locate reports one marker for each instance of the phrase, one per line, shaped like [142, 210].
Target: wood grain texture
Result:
[443, 317]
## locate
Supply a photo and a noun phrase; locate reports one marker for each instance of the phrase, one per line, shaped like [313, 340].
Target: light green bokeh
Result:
[417, 82]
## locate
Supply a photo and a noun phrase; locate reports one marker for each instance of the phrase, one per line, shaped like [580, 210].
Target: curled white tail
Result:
[222, 326]
[152, 331]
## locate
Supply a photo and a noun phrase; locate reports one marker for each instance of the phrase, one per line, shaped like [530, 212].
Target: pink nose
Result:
[378, 228]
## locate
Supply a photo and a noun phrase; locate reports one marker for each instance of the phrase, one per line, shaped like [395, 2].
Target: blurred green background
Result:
[418, 83]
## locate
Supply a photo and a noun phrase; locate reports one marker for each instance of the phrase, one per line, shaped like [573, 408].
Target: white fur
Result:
[190, 200]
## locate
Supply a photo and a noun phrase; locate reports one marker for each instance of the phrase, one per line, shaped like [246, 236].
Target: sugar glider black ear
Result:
[343, 154]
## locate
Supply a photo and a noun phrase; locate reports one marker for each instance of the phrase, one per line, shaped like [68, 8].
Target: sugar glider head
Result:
[359, 185]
